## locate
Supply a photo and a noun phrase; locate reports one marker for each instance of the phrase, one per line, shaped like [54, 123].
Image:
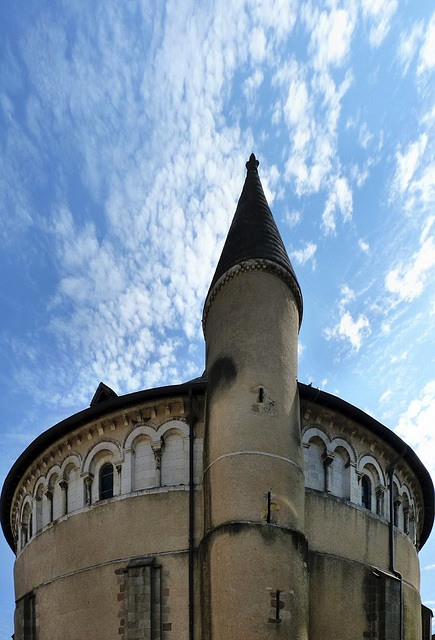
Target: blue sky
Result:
[124, 130]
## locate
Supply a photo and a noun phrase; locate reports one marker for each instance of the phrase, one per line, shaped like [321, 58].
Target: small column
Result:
[63, 484]
[33, 523]
[380, 493]
[88, 479]
[128, 471]
[397, 503]
[118, 484]
[157, 448]
[412, 527]
[49, 503]
[327, 461]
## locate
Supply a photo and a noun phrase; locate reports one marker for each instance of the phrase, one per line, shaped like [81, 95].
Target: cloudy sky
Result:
[124, 130]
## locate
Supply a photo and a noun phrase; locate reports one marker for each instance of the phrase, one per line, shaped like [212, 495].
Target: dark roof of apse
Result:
[198, 386]
[253, 233]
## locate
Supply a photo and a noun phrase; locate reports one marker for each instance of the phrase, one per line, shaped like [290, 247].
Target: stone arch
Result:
[148, 430]
[370, 468]
[39, 486]
[72, 458]
[143, 462]
[104, 452]
[26, 521]
[174, 461]
[171, 424]
[38, 501]
[111, 447]
[73, 498]
[54, 505]
[315, 449]
[376, 469]
[52, 475]
[340, 471]
[312, 431]
[345, 444]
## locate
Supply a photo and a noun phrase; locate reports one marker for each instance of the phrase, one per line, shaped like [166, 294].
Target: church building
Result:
[242, 504]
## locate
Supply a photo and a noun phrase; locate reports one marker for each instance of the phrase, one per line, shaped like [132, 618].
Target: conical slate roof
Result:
[254, 236]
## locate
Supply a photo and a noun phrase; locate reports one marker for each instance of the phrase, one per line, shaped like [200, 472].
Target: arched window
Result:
[366, 493]
[106, 481]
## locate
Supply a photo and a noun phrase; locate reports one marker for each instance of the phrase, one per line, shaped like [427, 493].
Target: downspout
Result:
[191, 423]
[392, 567]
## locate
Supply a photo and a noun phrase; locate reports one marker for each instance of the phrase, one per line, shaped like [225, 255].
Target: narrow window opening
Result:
[106, 482]
[277, 616]
[366, 493]
[261, 395]
[269, 500]
[50, 505]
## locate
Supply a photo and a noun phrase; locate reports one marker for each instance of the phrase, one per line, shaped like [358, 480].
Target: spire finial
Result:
[252, 163]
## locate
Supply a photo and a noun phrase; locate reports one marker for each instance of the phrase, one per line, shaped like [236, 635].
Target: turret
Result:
[254, 548]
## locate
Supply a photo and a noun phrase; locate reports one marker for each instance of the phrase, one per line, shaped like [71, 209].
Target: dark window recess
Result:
[268, 506]
[106, 482]
[51, 505]
[366, 492]
[278, 604]
[260, 394]
[28, 616]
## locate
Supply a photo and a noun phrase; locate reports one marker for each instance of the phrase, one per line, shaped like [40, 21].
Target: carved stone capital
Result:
[380, 491]
[88, 479]
[157, 448]
[327, 459]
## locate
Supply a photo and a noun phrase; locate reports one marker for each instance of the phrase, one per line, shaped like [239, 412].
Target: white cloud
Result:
[364, 246]
[302, 256]
[408, 44]
[293, 218]
[309, 103]
[407, 282]
[379, 14]
[427, 52]
[347, 295]
[385, 396]
[407, 163]
[415, 425]
[252, 84]
[339, 198]
[257, 44]
[386, 328]
[424, 187]
[279, 15]
[365, 136]
[331, 36]
[349, 329]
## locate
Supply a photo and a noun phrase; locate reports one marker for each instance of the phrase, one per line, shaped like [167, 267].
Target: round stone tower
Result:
[254, 549]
